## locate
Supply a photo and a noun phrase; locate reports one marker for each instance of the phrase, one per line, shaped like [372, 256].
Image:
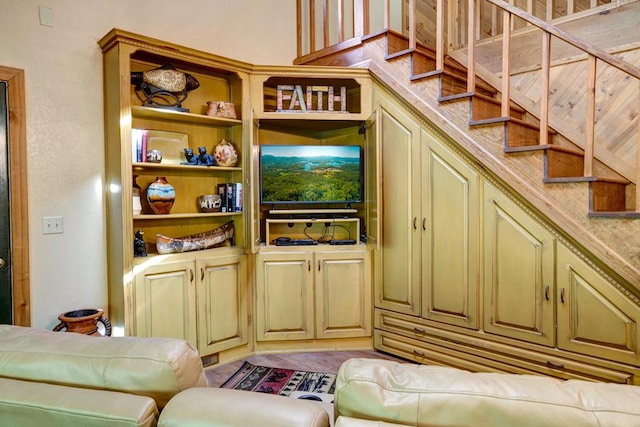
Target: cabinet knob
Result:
[2, 263]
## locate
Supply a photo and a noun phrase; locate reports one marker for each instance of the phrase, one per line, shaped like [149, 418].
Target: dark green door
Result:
[5, 229]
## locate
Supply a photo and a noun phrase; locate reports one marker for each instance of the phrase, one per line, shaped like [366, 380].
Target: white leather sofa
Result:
[66, 379]
[385, 393]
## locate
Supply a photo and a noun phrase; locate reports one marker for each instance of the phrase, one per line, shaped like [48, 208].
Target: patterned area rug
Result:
[264, 379]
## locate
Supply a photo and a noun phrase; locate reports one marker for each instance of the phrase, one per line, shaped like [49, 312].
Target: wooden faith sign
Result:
[298, 102]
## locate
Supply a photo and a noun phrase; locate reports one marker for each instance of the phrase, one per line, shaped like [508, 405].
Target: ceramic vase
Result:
[161, 195]
[84, 322]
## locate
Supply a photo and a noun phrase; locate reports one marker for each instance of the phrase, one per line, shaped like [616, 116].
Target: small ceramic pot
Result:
[221, 109]
[209, 203]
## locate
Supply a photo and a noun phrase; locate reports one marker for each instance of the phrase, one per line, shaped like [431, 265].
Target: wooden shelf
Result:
[190, 168]
[171, 115]
[311, 211]
[185, 215]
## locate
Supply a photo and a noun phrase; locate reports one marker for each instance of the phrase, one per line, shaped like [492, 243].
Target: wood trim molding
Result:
[19, 190]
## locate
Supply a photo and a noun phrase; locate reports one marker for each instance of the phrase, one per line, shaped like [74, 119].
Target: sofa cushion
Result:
[229, 408]
[419, 395]
[26, 404]
[154, 367]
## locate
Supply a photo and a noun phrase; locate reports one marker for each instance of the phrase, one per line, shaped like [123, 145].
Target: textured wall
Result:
[63, 69]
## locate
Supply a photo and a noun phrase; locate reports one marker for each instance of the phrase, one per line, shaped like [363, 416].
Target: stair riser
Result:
[482, 110]
[517, 135]
[606, 197]
[562, 165]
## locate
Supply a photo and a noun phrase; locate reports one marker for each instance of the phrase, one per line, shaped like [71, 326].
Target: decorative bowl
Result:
[208, 203]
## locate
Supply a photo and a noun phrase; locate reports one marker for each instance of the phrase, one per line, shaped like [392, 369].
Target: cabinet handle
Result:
[201, 274]
[415, 219]
[562, 295]
[318, 265]
[419, 330]
[309, 265]
[191, 274]
[553, 365]
[418, 353]
[424, 223]
[546, 292]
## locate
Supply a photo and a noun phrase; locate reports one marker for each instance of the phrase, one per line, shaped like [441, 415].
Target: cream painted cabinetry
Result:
[319, 294]
[201, 300]
[469, 276]
[594, 315]
[429, 257]
[519, 268]
[199, 296]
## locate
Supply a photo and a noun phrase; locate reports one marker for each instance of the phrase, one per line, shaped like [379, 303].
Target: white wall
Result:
[63, 71]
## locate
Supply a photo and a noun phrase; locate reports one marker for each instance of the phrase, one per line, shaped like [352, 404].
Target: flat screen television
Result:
[312, 174]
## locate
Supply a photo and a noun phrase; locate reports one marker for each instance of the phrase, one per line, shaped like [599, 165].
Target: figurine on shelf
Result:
[191, 158]
[205, 159]
[139, 246]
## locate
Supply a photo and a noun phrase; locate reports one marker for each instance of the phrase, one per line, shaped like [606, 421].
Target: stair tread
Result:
[614, 214]
[397, 54]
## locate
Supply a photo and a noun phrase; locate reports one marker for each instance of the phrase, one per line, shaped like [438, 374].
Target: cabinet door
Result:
[284, 296]
[222, 303]
[398, 263]
[518, 272]
[164, 301]
[450, 227]
[343, 294]
[594, 317]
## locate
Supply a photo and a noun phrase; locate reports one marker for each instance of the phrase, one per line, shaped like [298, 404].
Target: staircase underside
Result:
[614, 241]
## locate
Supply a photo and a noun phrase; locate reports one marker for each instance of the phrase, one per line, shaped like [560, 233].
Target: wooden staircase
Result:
[563, 161]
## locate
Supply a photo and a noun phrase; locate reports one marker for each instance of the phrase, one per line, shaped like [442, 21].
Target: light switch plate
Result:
[46, 16]
[51, 225]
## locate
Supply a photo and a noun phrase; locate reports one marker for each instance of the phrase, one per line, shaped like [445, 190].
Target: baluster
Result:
[544, 88]
[506, 73]
[471, 46]
[325, 23]
[591, 116]
[440, 47]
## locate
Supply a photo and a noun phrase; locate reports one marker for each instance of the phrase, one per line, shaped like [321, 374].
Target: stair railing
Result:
[594, 55]
[361, 26]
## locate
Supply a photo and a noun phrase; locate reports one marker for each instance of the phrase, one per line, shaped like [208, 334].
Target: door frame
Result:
[19, 215]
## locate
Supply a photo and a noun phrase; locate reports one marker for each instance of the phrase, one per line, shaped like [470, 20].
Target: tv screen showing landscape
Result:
[310, 174]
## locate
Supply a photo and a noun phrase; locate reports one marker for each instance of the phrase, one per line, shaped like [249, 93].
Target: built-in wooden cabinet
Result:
[316, 294]
[429, 257]
[173, 294]
[519, 269]
[469, 276]
[201, 300]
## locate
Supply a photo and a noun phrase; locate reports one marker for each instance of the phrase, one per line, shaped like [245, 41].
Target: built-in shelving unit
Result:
[160, 294]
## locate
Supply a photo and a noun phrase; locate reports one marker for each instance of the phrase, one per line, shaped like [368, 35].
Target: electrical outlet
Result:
[51, 225]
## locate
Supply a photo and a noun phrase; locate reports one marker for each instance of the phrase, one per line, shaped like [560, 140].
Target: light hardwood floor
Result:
[325, 361]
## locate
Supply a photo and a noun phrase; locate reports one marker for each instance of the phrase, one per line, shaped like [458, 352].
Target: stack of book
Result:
[231, 196]
[139, 145]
